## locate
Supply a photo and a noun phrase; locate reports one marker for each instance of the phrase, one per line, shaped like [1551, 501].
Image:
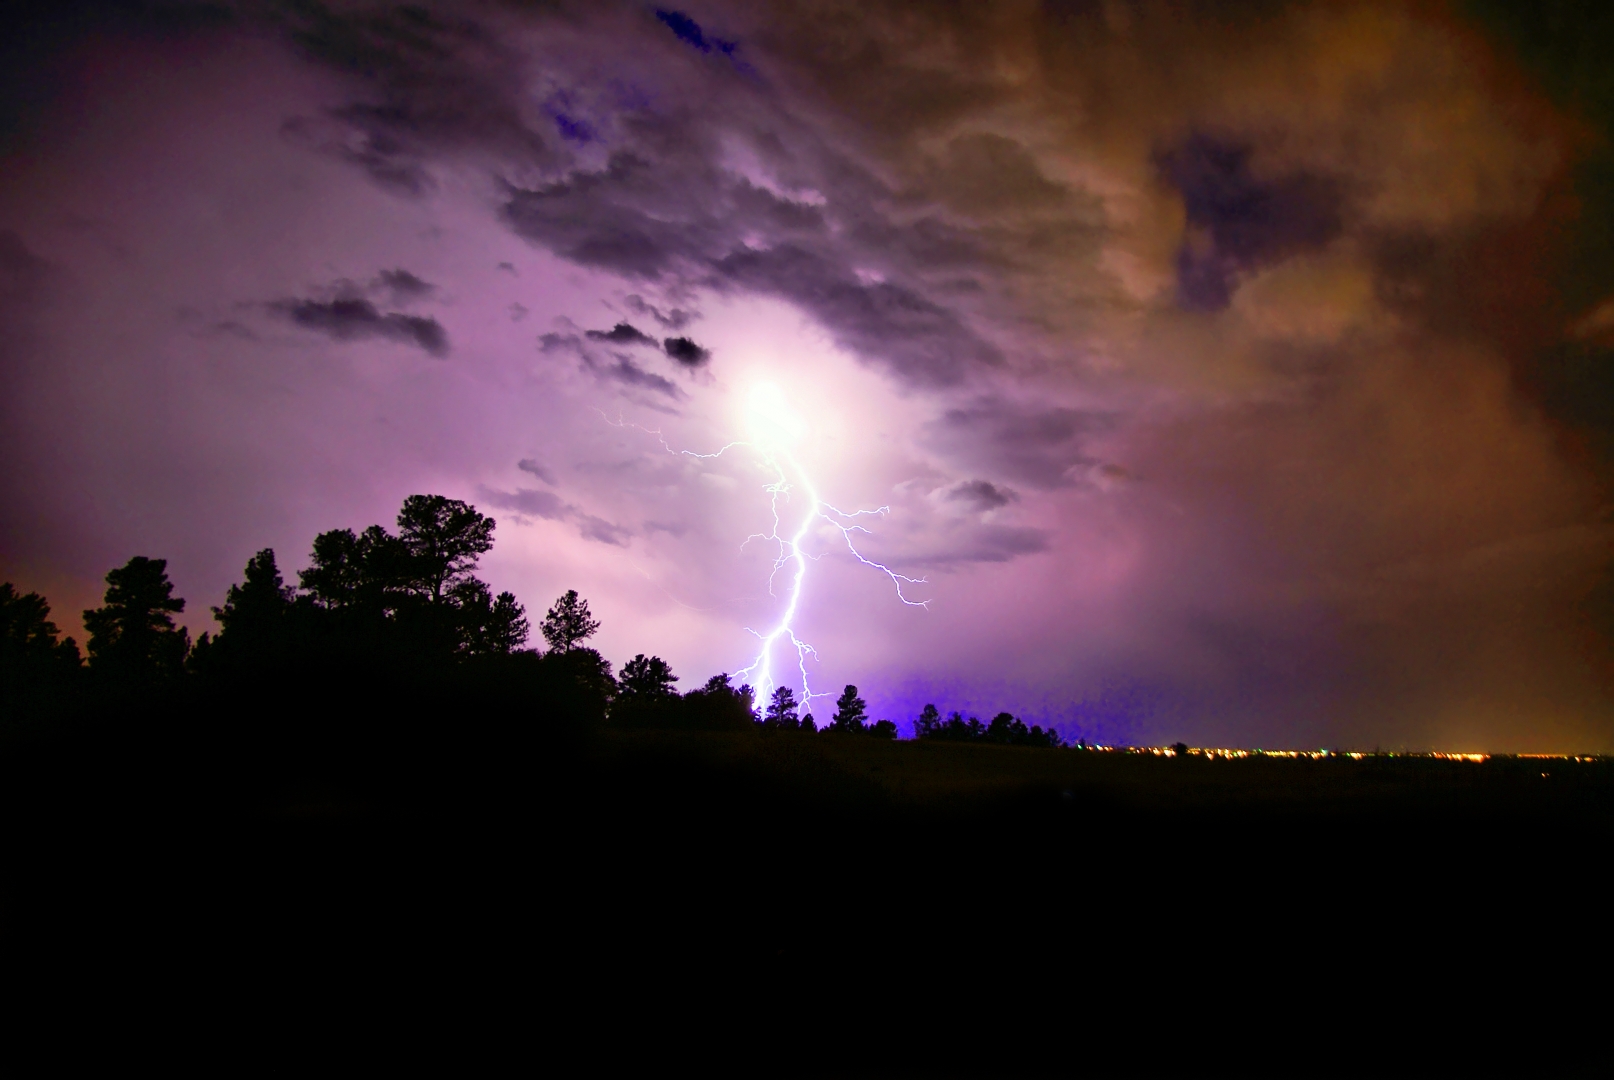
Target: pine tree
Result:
[782, 710]
[259, 602]
[851, 713]
[132, 635]
[568, 623]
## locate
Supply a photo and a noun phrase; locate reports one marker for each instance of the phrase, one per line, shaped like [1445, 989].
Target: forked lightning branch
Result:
[797, 511]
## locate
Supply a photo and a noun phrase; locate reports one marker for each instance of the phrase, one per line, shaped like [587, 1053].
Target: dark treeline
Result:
[403, 609]
[1005, 730]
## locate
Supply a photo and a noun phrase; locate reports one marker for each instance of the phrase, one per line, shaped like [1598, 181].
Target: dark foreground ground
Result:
[789, 905]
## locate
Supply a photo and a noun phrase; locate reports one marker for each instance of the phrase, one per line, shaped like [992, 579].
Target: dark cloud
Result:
[349, 318]
[608, 218]
[625, 371]
[382, 157]
[618, 368]
[675, 319]
[686, 352]
[984, 544]
[550, 507]
[1038, 446]
[1238, 221]
[542, 504]
[508, 268]
[622, 334]
[981, 495]
[667, 204]
[538, 469]
[594, 528]
[689, 32]
[439, 82]
[558, 342]
[958, 194]
[915, 336]
[404, 286]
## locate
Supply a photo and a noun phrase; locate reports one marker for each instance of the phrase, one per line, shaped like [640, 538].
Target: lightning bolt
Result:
[791, 557]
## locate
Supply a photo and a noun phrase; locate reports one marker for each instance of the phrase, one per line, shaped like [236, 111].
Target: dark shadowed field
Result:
[785, 904]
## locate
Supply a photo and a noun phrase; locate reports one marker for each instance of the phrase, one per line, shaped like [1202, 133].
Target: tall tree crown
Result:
[646, 677]
[568, 623]
[349, 571]
[443, 538]
[134, 627]
[262, 596]
[850, 711]
[490, 625]
[781, 710]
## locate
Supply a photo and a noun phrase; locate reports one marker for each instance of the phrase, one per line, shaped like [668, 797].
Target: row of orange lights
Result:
[1219, 752]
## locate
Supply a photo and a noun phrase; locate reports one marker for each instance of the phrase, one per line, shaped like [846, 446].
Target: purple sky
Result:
[1191, 355]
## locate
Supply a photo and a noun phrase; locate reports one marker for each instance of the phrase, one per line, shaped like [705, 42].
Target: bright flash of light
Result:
[774, 428]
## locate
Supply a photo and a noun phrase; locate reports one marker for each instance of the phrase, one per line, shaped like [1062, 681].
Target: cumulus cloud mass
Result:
[1238, 373]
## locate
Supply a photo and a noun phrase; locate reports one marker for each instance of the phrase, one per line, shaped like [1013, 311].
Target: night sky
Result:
[1239, 373]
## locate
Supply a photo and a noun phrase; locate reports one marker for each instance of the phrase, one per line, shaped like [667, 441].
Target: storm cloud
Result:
[622, 334]
[686, 352]
[551, 507]
[350, 318]
[981, 495]
[1257, 360]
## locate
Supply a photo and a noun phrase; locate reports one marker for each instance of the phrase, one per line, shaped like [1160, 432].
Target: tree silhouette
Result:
[254, 620]
[718, 706]
[413, 593]
[882, 729]
[488, 625]
[33, 663]
[568, 623]
[851, 712]
[27, 636]
[716, 683]
[1005, 729]
[132, 635]
[782, 710]
[646, 679]
[808, 724]
[258, 605]
[365, 572]
[954, 729]
[589, 671]
[443, 538]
